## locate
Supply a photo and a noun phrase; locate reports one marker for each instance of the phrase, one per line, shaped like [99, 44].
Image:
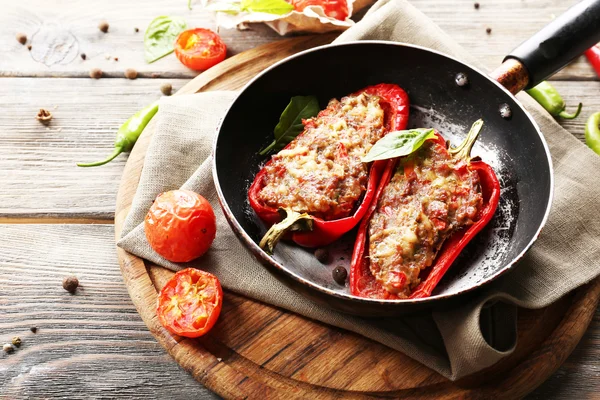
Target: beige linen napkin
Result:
[452, 343]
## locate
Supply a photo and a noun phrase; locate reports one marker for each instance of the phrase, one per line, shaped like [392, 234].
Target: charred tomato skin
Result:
[190, 303]
[180, 225]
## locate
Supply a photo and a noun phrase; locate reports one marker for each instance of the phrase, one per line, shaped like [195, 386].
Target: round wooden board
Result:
[259, 351]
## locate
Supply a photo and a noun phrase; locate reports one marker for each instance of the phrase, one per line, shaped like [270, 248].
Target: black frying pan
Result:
[515, 147]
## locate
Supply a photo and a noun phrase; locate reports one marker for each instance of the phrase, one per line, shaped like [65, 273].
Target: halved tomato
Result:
[337, 9]
[190, 303]
[200, 48]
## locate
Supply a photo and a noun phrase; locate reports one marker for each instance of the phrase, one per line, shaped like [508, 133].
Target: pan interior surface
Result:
[513, 147]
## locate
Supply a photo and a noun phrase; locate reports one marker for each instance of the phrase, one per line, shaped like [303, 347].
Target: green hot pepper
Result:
[592, 132]
[128, 133]
[550, 99]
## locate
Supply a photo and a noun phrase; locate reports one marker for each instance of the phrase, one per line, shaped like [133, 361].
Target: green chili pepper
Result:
[128, 133]
[592, 132]
[550, 99]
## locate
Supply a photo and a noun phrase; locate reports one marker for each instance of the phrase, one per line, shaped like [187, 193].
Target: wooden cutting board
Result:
[259, 351]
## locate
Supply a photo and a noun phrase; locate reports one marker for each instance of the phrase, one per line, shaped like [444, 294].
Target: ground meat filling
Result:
[320, 172]
[430, 196]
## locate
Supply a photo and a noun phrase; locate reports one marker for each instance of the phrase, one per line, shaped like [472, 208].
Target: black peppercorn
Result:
[340, 274]
[488, 30]
[322, 255]
[476, 5]
[103, 26]
[33, 329]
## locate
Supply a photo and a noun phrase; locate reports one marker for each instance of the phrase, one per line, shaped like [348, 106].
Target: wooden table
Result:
[57, 219]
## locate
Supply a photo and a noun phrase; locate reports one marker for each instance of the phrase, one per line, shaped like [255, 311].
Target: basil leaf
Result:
[290, 121]
[160, 37]
[278, 7]
[398, 143]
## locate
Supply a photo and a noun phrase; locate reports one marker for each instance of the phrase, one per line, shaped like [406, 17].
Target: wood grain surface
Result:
[106, 351]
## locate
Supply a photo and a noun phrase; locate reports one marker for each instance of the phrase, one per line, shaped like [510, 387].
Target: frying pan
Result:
[514, 147]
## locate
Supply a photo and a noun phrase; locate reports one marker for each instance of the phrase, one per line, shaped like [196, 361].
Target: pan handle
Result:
[549, 50]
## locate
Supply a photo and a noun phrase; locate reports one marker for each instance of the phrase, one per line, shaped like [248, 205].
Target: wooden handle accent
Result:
[512, 75]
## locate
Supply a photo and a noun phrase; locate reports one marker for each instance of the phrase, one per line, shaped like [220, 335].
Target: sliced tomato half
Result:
[190, 303]
[200, 48]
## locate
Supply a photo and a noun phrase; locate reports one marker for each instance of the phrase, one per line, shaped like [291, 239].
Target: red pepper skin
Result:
[362, 282]
[396, 107]
[593, 56]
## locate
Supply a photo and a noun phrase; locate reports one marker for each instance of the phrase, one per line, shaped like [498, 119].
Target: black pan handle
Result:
[557, 44]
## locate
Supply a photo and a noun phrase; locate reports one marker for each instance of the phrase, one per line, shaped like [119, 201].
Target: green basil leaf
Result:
[290, 121]
[278, 7]
[398, 143]
[160, 36]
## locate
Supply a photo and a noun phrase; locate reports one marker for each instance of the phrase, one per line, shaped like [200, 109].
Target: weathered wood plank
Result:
[89, 345]
[38, 176]
[74, 29]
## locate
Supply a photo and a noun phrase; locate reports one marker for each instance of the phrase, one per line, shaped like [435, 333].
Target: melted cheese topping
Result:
[430, 196]
[320, 172]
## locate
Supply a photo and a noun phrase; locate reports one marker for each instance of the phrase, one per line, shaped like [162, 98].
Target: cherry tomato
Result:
[190, 303]
[199, 48]
[337, 9]
[180, 225]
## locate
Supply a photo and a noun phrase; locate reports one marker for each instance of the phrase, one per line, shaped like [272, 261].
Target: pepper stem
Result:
[566, 115]
[463, 151]
[118, 150]
[294, 221]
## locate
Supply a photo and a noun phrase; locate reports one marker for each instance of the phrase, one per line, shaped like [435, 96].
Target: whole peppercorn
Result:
[116, 58]
[488, 30]
[33, 329]
[131, 73]
[136, 30]
[340, 274]
[166, 89]
[21, 38]
[103, 26]
[476, 5]
[7, 347]
[70, 284]
[96, 73]
[16, 341]
[29, 47]
[322, 255]
[83, 56]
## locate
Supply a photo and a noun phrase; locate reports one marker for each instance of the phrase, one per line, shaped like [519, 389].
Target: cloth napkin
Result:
[453, 342]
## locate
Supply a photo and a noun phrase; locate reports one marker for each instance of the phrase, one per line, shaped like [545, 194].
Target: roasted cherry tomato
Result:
[337, 9]
[190, 303]
[180, 225]
[200, 48]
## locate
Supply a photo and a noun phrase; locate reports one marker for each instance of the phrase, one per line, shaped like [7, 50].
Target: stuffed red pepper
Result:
[318, 182]
[427, 207]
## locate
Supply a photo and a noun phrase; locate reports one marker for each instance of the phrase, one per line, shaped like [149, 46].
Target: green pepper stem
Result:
[463, 151]
[292, 222]
[118, 150]
[566, 115]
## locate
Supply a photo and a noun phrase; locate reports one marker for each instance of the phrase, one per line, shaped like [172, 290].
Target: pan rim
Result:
[251, 244]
